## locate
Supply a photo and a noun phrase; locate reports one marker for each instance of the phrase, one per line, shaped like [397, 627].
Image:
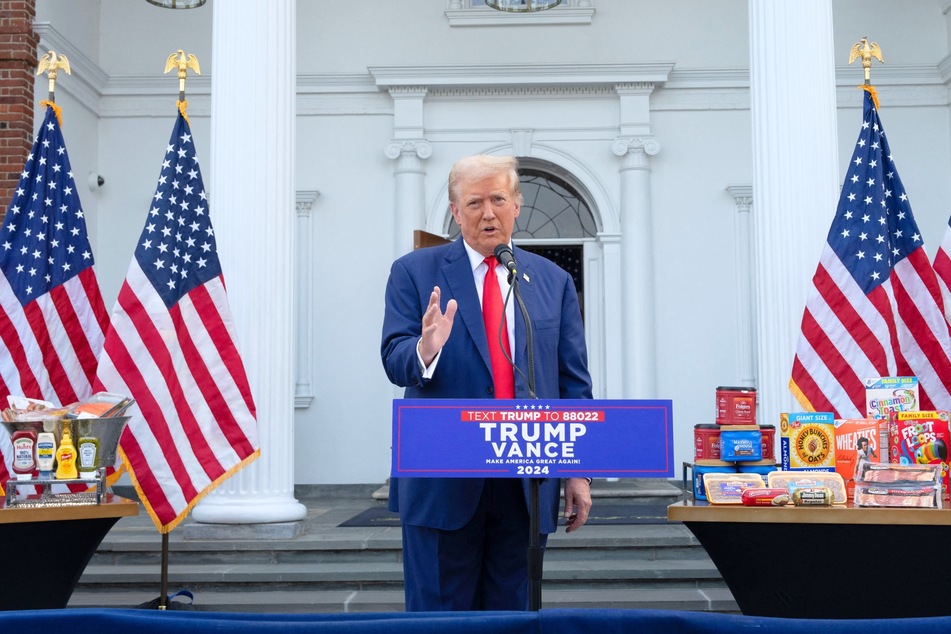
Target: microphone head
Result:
[505, 257]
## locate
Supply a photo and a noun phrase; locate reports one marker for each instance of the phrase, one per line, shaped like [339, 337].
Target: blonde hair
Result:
[484, 166]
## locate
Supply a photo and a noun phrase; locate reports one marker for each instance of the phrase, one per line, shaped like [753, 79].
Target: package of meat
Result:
[895, 485]
[873, 473]
[792, 480]
[926, 496]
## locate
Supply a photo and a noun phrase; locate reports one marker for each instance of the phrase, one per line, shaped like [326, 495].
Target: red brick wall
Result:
[18, 61]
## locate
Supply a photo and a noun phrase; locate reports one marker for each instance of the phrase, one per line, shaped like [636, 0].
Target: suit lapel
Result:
[458, 274]
[527, 291]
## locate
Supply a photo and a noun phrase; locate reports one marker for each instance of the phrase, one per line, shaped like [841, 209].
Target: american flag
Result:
[942, 266]
[52, 317]
[172, 347]
[875, 308]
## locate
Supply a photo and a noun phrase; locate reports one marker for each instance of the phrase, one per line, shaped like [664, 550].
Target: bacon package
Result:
[894, 485]
[902, 497]
[921, 438]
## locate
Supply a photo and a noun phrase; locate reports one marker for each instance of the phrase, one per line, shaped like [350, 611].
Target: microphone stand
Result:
[535, 551]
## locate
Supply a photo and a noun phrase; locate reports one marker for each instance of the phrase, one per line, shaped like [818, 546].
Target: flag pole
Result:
[163, 595]
[865, 50]
[177, 60]
[50, 64]
[182, 62]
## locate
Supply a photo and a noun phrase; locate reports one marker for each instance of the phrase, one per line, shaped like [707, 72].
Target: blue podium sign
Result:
[442, 438]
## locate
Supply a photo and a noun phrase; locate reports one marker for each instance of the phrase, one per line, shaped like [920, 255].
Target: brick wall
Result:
[18, 61]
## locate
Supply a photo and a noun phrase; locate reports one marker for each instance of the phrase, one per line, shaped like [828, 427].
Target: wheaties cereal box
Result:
[857, 441]
[887, 394]
[920, 438]
[807, 441]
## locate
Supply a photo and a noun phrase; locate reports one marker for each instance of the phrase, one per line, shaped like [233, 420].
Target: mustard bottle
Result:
[66, 458]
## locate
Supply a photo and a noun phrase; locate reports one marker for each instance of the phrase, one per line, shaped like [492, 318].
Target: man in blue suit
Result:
[465, 539]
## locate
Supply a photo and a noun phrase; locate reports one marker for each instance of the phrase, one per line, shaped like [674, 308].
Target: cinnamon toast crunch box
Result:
[887, 394]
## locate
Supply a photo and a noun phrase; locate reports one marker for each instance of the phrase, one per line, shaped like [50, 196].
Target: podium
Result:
[534, 439]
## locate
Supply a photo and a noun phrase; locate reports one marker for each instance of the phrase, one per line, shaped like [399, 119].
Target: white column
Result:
[795, 176]
[253, 202]
[304, 309]
[637, 267]
[635, 145]
[745, 304]
[613, 367]
[409, 149]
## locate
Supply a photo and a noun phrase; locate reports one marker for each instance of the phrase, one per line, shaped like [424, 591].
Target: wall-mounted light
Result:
[178, 4]
[520, 6]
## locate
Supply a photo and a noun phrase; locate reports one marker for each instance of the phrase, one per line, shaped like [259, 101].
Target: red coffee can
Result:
[768, 434]
[706, 442]
[736, 406]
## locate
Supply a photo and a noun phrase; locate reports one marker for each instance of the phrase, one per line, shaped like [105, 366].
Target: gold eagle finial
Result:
[179, 60]
[866, 51]
[50, 64]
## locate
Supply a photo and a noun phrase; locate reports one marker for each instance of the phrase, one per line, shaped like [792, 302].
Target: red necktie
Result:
[493, 312]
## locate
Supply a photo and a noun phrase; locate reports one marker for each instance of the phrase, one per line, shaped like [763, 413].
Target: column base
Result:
[223, 509]
[276, 530]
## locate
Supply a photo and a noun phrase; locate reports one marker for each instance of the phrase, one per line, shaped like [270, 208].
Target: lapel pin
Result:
[525, 277]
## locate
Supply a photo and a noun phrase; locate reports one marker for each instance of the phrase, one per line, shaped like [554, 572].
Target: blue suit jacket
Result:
[464, 371]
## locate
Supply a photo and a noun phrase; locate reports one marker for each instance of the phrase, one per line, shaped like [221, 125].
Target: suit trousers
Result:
[481, 566]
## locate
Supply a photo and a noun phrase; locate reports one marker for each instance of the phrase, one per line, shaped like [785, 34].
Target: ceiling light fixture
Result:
[177, 4]
[522, 6]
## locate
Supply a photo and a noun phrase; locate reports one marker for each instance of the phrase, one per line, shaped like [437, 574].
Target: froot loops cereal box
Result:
[916, 438]
[807, 441]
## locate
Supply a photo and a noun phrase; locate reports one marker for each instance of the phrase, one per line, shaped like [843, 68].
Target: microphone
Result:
[503, 253]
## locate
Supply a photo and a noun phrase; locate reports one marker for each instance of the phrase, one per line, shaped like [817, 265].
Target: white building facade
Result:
[702, 141]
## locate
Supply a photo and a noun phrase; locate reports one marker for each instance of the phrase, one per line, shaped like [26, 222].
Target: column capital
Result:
[306, 200]
[624, 145]
[742, 196]
[399, 147]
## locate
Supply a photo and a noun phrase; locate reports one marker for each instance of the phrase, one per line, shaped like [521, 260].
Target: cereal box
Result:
[886, 394]
[857, 441]
[920, 438]
[806, 441]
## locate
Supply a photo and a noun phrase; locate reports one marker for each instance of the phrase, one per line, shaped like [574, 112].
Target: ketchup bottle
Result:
[24, 454]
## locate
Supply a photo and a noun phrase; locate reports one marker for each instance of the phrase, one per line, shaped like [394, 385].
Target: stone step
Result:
[607, 571]
[262, 600]
[329, 568]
